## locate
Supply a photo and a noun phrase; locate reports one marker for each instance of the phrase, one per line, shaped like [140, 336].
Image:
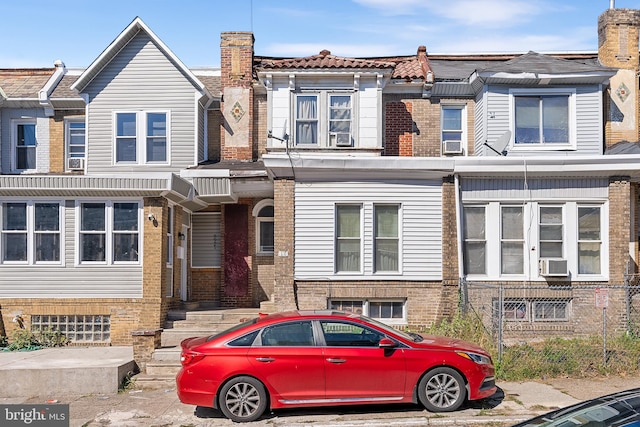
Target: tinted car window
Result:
[288, 334]
[344, 334]
[244, 341]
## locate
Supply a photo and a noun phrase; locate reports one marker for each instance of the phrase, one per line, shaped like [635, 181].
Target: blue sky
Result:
[37, 32]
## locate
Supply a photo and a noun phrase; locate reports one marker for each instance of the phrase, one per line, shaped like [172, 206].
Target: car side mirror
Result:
[387, 343]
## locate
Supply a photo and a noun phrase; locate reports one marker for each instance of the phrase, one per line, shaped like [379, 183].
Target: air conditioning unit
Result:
[340, 139]
[75, 163]
[452, 147]
[553, 267]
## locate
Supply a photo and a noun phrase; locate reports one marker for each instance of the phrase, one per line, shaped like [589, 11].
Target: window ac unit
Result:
[340, 139]
[452, 147]
[75, 163]
[554, 267]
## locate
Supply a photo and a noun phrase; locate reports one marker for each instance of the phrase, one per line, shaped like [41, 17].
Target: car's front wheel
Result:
[442, 390]
[243, 399]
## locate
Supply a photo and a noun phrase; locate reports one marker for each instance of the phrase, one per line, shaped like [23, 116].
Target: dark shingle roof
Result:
[24, 83]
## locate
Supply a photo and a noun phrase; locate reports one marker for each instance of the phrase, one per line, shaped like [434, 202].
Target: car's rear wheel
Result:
[243, 399]
[442, 390]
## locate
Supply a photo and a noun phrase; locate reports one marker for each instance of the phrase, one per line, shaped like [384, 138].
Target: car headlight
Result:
[475, 357]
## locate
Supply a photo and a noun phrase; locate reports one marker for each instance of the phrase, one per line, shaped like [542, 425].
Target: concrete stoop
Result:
[65, 371]
[164, 365]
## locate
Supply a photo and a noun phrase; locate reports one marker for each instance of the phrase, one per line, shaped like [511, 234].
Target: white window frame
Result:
[602, 241]
[259, 221]
[508, 240]
[563, 241]
[542, 146]
[323, 98]
[337, 238]
[32, 233]
[463, 124]
[141, 138]
[14, 143]
[68, 122]
[366, 308]
[376, 238]
[109, 232]
[531, 240]
[467, 241]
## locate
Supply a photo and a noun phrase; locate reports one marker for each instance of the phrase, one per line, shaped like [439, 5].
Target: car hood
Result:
[447, 343]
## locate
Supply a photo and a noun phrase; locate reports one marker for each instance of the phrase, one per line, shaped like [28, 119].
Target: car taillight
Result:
[187, 358]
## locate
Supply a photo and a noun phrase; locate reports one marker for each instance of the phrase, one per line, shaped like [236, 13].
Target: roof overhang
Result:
[220, 186]
[318, 167]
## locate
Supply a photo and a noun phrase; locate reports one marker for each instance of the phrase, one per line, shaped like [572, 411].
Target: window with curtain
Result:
[512, 240]
[589, 240]
[25, 145]
[475, 242]
[348, 241]
[551, 232]
[542, 119]
[386, 237]
[340, 120]
[306, 119]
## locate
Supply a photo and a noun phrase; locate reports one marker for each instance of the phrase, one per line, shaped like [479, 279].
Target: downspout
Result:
[459, 228]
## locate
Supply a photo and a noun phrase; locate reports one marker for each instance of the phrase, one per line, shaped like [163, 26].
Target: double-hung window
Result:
[551, 232]
[30, 232]
[323, 119]
[141, 137]
[109, 232]
[452, 125]
[75, 132]
[475, 241]
[348, 238]
[265, 230]
[24, 144]
[589, 240]
[542, 118]
[512, 240]
[386, 237]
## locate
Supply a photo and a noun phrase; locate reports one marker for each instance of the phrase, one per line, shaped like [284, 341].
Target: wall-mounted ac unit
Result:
[340, 139]
[75, 163]
[452, 147]
[553, 267]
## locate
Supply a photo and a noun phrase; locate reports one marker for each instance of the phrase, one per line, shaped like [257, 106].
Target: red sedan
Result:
[322, 358]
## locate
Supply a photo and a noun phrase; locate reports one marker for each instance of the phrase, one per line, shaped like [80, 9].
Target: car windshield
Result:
[411, 336]
[233, 328]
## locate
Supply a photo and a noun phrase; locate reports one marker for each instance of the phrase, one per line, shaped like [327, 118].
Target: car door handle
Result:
[333, 360]
[265, 359]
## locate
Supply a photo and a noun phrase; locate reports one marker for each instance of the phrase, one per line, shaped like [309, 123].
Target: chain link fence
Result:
[559, 328]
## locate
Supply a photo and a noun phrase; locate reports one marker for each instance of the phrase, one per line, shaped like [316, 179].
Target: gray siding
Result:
[420, 228]
[206, 240]
[534, 189]
[141, 78]
[68, 280]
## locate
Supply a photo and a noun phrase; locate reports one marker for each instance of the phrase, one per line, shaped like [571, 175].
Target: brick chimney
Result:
[236, 53]
[618, 47]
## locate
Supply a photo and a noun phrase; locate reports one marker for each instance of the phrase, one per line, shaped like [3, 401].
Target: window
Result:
[263, 211]
[324, 119]
[109, 232]
[543, 117]
[589, 240]
[344, 334]
[24, 144]
[77, 328]
[551, 234]
[141, 137]
[475, 243]
[522, 236]
[533, 310]
[348, 243]
[512, 240]
[452, 122]
[386, 237]
[383, 310]
[30, 232]
[75, 138]
[291, 334]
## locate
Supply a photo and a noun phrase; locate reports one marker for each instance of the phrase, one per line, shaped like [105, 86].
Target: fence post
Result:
[500, 320]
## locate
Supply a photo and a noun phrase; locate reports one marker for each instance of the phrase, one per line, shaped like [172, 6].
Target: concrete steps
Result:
[164, 365]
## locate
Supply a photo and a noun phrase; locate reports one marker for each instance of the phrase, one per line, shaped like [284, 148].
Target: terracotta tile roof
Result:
[323, 60]
[23, 83]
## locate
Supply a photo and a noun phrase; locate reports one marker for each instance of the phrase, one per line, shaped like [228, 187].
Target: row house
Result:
[373, 185]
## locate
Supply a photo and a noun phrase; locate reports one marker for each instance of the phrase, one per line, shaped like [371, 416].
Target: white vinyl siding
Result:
[420, 233]
[67, 280]
[141, 78]
[206, 240]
